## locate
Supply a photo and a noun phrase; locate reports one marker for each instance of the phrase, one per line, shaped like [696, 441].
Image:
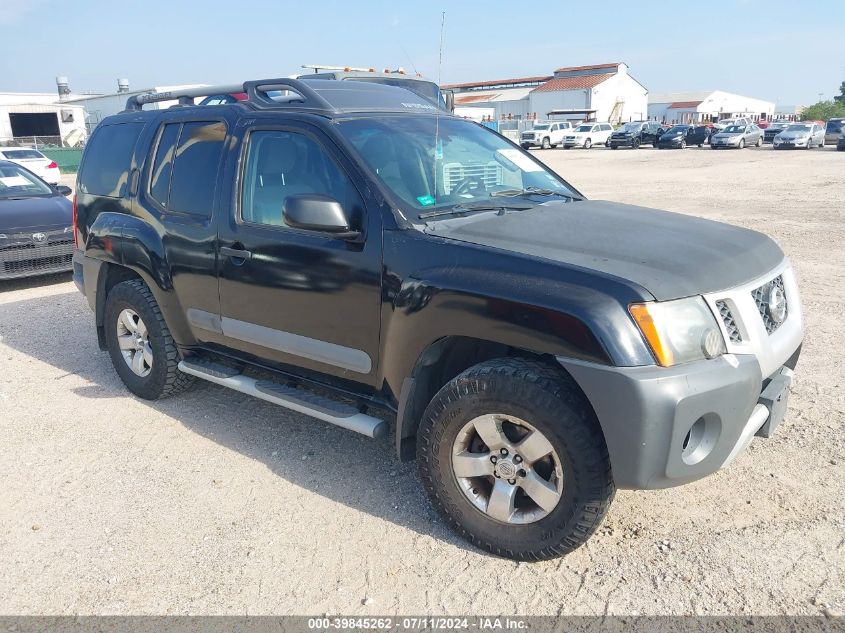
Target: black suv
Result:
[636, 133]
[351, 252]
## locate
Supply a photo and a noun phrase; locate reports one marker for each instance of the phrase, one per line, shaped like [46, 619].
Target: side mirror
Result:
[64, 190]
[316, 212]
[450, 100]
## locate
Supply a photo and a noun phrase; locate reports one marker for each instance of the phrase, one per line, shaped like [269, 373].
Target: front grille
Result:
[729, 321]
[761, 298]
[528, 136]
[19, 259]
[454, 173]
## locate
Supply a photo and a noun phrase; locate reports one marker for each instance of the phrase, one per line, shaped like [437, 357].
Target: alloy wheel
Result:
[133, 340]
[507, 469]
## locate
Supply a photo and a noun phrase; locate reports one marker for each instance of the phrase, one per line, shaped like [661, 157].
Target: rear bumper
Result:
[669, 426]
[86, 272]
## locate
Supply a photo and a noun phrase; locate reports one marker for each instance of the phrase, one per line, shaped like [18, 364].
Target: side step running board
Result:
[292, 398]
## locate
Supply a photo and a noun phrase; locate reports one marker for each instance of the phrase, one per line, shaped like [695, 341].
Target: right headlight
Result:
[679, 331]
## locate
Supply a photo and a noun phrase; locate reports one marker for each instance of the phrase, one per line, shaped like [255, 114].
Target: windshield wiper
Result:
[538, 191]
[460, 209]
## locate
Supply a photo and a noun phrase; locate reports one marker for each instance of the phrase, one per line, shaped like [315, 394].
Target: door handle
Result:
[235, 253]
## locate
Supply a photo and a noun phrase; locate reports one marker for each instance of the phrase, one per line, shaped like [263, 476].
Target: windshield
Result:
[678, 129]
[735, 129]
[468, 164]
[426, 89]
[634, 126]
[542, 126]
[798, 128]
[834, 126]
[779, 126]
[584, 128]
[16, 182]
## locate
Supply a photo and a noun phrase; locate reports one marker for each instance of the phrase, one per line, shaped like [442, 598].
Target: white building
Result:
[706, 106]
[40, 115]
[602, 92]
[98, 107]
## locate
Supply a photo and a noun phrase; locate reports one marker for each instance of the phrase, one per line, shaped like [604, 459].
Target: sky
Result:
[787, 52]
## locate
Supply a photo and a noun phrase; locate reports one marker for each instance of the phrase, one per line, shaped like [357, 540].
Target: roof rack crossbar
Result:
[186, 96]
[256, 93]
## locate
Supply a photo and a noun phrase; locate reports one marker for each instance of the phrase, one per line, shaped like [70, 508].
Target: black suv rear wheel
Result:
[140, 345]
[514, 460]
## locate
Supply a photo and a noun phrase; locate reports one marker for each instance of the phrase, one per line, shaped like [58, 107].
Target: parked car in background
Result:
[588, 134]
[36, 224]
[737, 137]
[679, 136]
[636, 133]
[775, 128]
[45, 168]
[546, 135]
[834, 129]
[805, 135]
[725, 123]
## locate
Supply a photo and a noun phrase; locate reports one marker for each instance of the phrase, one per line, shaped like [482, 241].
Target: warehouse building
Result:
[706, 106]
[40, 118]
[601, 92]
[98, 107]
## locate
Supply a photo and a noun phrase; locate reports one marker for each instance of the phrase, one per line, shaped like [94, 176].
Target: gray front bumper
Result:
[647, 412]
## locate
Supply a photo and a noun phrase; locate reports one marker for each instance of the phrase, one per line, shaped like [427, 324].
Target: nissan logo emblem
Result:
[39, 237]
[776, 304]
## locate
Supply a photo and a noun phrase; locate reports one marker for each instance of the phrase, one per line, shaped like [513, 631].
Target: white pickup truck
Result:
[547, 134]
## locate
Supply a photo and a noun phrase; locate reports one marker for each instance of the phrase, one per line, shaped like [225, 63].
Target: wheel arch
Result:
[440, 362]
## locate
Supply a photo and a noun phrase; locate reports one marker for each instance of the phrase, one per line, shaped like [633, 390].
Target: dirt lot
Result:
[212, 502]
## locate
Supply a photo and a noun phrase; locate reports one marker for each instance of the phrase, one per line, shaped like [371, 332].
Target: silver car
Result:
[801, 135]
[737, 137]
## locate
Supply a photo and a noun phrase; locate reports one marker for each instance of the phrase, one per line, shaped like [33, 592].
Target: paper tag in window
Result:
[520, 160]
[14, 181]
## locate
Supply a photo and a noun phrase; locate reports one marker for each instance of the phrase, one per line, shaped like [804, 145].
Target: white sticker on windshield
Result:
[14, 181]
[520, 160]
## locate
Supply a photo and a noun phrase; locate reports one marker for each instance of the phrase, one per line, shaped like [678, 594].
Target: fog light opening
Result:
[701, 439]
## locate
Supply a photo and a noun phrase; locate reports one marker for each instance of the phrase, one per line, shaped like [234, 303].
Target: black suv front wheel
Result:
[514, 460]
[140, 345]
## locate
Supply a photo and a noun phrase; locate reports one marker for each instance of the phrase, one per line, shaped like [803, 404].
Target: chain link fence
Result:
[40, 142]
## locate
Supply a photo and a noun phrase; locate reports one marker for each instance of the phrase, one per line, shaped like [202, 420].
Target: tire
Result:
[683, 144]
[588, 143]
[759, 143]
[162, 377]
[547, 144]
[614, 147]
[551, 403]
[700, 145]
[635, 144]
[741, 144]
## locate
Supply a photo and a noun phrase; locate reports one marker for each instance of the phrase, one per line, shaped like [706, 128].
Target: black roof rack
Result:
[306, 97]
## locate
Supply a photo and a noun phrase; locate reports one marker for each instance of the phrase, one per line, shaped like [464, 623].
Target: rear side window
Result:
[184, 173]
[22, 154]
[108, 157]
[160, 176]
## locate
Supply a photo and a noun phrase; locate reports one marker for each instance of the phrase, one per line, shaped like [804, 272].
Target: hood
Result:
[669, 254]
[35, 213]
[793, 135]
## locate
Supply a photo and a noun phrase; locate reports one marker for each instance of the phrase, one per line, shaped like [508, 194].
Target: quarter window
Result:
[280, 164]
[108, 157]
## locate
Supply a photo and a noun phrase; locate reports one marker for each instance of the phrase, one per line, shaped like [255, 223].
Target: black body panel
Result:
[669, 254]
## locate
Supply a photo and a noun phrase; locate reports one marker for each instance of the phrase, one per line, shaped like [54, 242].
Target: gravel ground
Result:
[212, 502]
